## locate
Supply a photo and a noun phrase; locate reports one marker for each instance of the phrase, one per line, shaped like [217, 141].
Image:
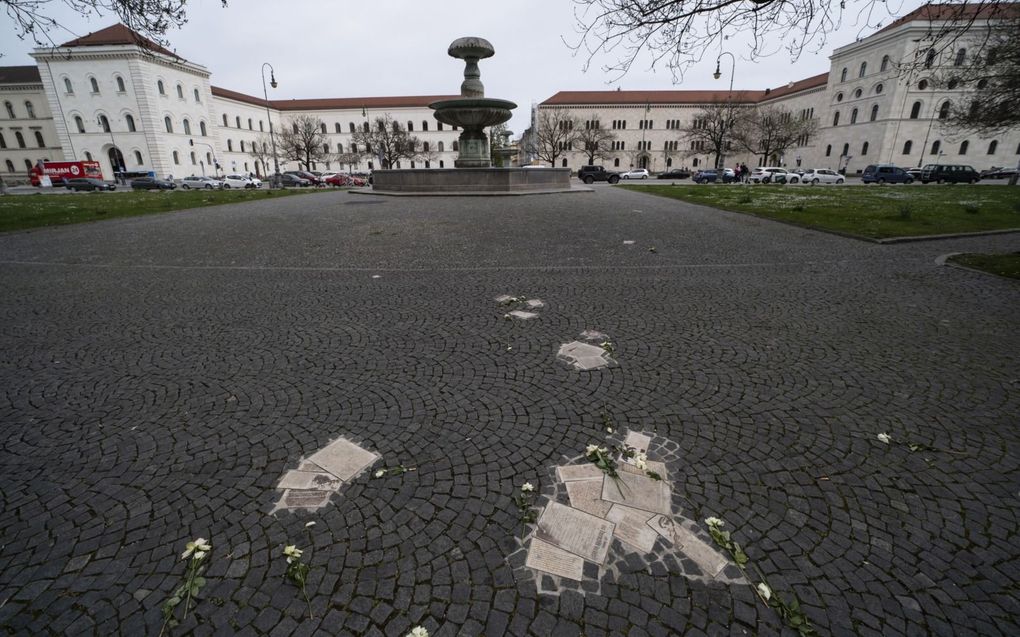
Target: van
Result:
[953, 173]
[885, 174]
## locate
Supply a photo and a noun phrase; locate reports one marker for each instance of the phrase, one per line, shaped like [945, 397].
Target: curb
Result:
[465, 193]
[943, 260]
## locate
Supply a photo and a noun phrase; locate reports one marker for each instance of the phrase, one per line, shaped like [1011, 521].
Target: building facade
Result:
[867, 108]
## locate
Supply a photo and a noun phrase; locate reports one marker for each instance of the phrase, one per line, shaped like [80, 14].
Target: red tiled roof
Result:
[574, 98]
[796, 87]
[966, 12]
[117, 34]
[328, 103]
[19, 75]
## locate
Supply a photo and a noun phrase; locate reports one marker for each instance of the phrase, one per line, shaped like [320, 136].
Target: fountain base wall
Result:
[471, 180]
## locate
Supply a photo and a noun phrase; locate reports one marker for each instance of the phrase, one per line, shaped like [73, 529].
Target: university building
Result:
[867, 111]
[119, 99]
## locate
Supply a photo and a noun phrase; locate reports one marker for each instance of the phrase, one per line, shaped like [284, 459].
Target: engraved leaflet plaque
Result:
[575, 531]
[343, 458]
[552, 559]
[632, 527]
[639, 492]
[586, 495]
[578, 472]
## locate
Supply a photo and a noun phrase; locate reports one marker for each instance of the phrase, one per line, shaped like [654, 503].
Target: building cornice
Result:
[118, 52]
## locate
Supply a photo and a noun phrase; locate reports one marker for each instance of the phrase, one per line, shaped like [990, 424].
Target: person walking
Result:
[3, 186]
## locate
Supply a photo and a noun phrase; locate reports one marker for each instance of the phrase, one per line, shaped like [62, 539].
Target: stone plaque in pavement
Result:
[535, 303]
[317, 480]
[575, 531]
[503, 298]
[639, 492]
[549, 558]
[709, 560]
[524, 316]
[651, 465]
[578, 472]
[583, 356]
[638, 441]
[594, 335]
[303, 499]
[343, 458]
[632, 527]
[586, 495]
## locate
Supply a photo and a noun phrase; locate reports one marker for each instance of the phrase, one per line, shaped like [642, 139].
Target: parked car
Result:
[637, 173]
[885, 174]
[815, 176]
[589, 174]
[287, 179]
[304, 174]
[769, 176]
[241, 181]
[711, 176]
[998, 173]
[87, 183]
[676, 173]
[915, 173]
[953, 173]
[152, 183]
[200, 182]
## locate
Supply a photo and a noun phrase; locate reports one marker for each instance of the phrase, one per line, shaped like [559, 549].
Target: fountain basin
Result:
[471, 181]
[471, 113]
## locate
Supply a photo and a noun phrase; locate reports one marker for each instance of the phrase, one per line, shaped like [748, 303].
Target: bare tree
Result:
[349, 159]
[770, 131]
[388, 140]
[149, 18]
[595, 141]
[711, 130]
[678, 32]
[304, 142]
[992, 106]
[262, 151]
[554, 134]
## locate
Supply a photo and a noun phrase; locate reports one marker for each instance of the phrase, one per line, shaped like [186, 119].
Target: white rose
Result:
[884, 437]
[764, 591]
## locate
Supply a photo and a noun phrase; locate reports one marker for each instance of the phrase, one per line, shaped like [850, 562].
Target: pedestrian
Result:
[3, 186]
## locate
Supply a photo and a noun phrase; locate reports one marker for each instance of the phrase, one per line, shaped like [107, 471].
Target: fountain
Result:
[472, 112]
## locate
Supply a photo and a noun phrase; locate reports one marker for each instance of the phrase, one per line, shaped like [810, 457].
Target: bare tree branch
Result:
[554, 134]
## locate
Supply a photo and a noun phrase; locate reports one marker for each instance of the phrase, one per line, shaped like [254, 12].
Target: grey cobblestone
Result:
[159, 374]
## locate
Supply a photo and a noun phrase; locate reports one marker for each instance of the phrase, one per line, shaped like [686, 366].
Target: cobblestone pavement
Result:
[160, 374]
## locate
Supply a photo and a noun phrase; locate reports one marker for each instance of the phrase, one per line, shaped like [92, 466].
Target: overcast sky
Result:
[338, 48]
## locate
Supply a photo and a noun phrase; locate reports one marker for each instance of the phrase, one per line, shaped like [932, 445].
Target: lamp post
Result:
[272, 138]
[729, 96]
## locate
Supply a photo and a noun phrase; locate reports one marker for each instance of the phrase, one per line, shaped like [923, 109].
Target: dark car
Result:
[151, 183]
[590, 174]
[712, 175]
[953, 173]
[676, 173]
[885, 174]
[289, 179]
[307, 176]
[998, 173]
[87, 183]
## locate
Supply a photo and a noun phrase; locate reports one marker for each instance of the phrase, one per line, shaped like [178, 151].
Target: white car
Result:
[637, 173]
[771, 176]
[241, 181]
[195, 181]
[821, 176]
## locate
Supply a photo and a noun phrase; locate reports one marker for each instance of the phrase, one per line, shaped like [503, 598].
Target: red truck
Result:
[58, 171]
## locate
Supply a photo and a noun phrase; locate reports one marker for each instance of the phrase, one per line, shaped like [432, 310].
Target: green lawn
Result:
[876, 212]
[1007, 265]
[18, 212]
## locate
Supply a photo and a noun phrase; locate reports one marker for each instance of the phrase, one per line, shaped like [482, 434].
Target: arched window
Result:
[425, 146]
[88, 156]
[225, 122]
[929, 59]
[39, 140]
[952, 83]
[3, 142]
[94, 84]
[339, 147]
[864, 148]
[456, 146]
[396, 127]
[961, 56]
[177, 158]
[322, 127]
[935, 146]
[564, 164]
[138, 158]
[354, 148]
[944, 110]
[352, 127]
[262, 129]
[842, 76]
[858, 93]
[364, 127]
[160, 87]
[907, 147]
[130, 121]
[410, 126]
[30, 110]
[963, 146]
[10, 166]
[68, 87]
[169, 125]
[846, 150]
[180, 92]
[874, 112]
[336, 127]
[237, 120]
[885, 63]
[864, 69]
[325, 148]
[79, 124]
[439, 147]
[230, 145]
[187, 127]
[295, 128]
[198, 97]
[201, 129]
[250, 127]
[242, 146]
[104, 123]
[879, 88]
[993, 146]
[28, 164]
[439, 126]
[192, 157]
[835, 118]
[915, 110]
[1018, 149]
[853, 116]
[208, 159]
[10, 110]
[424, 125]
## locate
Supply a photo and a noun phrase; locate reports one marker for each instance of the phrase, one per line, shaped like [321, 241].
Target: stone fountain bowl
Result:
[473, 112]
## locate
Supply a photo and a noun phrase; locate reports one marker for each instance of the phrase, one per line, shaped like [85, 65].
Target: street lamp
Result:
[265, 93]
[729, 114]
